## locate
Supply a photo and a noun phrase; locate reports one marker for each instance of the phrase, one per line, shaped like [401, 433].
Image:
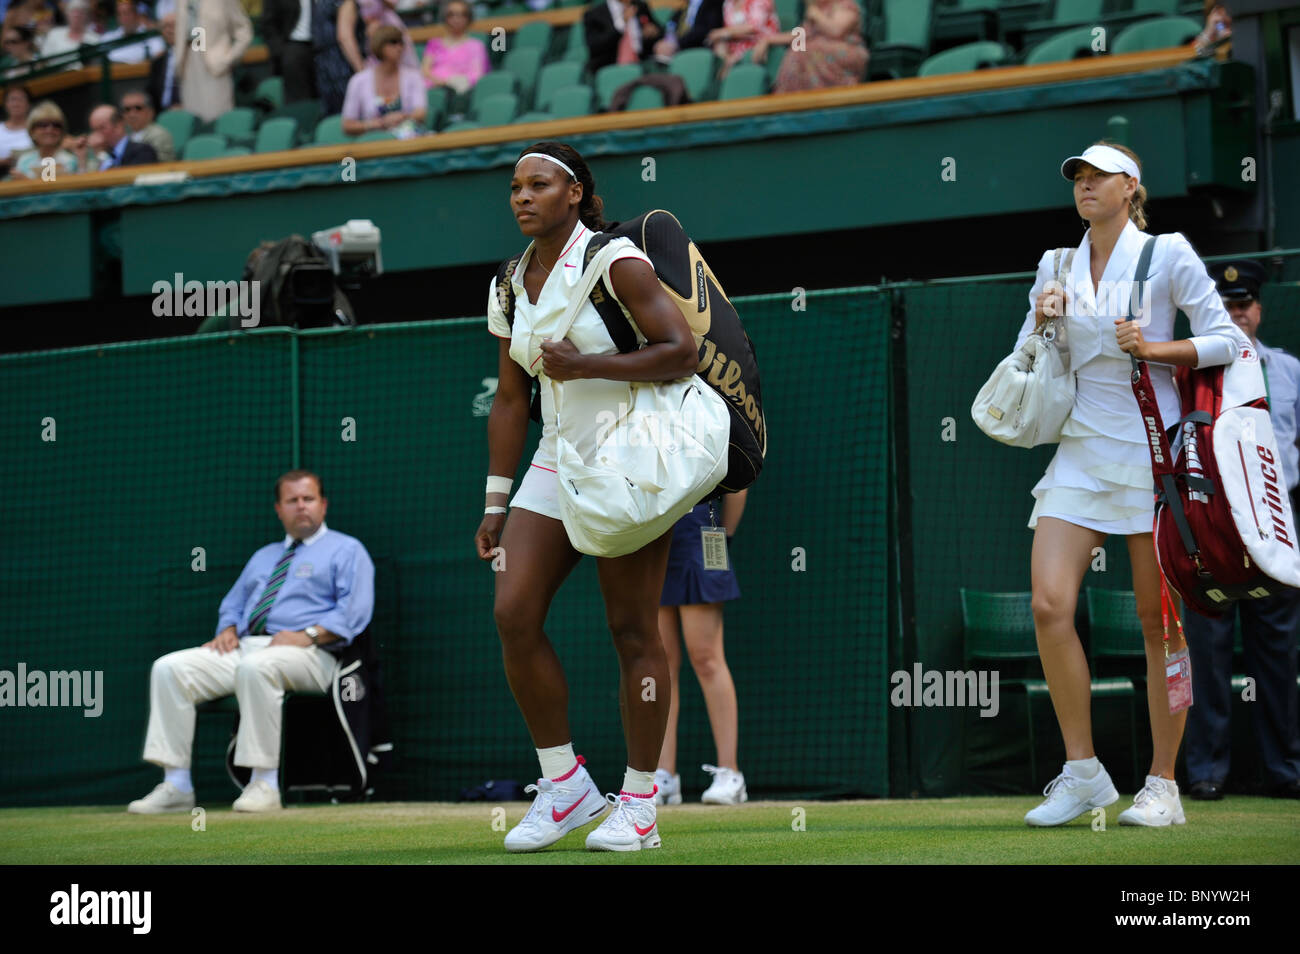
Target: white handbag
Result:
[664, 452]
[1029, 395]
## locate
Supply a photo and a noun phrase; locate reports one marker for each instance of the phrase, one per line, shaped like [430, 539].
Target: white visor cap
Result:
[1105, 158]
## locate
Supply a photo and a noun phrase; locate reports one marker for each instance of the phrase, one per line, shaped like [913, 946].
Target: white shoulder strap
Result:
[581, 291]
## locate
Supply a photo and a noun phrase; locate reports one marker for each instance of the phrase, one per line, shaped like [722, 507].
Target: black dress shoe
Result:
[1290, 790]
[1206, 791]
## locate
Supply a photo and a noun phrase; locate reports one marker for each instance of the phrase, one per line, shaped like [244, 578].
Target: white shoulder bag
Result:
[1027, 399]
[665, 452]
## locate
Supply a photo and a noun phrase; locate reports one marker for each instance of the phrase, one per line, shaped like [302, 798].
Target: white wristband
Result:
[499, 485]
[487, 510]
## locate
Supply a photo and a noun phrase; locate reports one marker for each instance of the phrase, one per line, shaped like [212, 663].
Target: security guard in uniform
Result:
[1269, 626]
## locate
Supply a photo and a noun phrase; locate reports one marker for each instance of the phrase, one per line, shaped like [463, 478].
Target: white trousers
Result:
[257, 674]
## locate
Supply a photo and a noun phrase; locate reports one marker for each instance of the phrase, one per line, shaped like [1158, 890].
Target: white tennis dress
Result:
[595, 399]
[1101, 475]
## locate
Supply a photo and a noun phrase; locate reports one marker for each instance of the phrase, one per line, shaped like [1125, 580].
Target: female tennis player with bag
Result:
[552, 196]
[1099, 482]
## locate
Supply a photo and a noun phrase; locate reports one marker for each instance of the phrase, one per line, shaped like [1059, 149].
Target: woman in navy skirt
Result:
[695, 595]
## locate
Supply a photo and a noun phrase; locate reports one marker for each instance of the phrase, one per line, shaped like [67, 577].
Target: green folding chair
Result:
[270, 93]
[305, 111]
[276, 135]
[1069, 45]
[743, 81]
[524, 62]
[575, 50]
[535, 34]
[553, 76]
[645, 97]
[906, 39]
[497, 110]
[999, 628]
[436, 103]
[329, 132]
[610, 78]
[696, 67]
[492, 84]
[533, 117]
[790, 13]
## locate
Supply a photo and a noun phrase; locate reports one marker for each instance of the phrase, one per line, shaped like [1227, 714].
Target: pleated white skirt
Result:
[1097, 481]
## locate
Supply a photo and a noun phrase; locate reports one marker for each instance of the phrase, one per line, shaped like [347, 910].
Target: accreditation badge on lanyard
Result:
[714, 541]
[1178, 666]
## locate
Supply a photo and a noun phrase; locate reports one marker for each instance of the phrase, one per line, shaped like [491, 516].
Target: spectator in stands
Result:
[138, 111]
[164, 88]
[619, 31]
[1218, 29]
[14, 137]
[286, 27]
[383, 12]
[130, 22]
[296, 602]
[1268, 626]
[745, 23]
[338, 37]
[207, 75]
[108, 135]
[833, 53]
[79, 31]
[457, 59]
[689, 28]
[386, 94]
[46, 127]
[20, 51]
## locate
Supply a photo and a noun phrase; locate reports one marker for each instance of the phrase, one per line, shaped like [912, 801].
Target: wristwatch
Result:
[313, 633]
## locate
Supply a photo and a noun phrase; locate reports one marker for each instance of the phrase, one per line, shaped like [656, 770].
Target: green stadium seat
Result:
[697, 68]
[1070, 45]
[744, 80]
[497, 110]
[965, 58]
[276, 135]
[493, 84]
[553, 76]
[535, 34]
[575, 50]
[610, 78]
[964, 21]
[1065, 14]
[569, 102]
[206, 146]
[307, 114]
[533, 117]
[270, 93]
[790, 13]
[462, 125]
[524, 62]
[906, 39]
[180, 124]
[236, 151]
[1015, 15]
[1157, 34]
[999, 628]
[645, 97]
[775, 54]
[436, 103]
[1116, 634]
[376, 135]
[329, 132]
[239, 125]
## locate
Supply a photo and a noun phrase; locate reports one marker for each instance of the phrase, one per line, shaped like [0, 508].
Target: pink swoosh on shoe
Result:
[560, 816]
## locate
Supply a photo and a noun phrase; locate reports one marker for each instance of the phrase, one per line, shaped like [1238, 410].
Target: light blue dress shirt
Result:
[331, 584]
[1283, 376]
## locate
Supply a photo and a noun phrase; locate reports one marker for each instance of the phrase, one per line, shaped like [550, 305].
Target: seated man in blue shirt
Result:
[296, 602]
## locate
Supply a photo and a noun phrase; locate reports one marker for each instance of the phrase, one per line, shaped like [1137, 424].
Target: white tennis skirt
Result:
[1097, 481]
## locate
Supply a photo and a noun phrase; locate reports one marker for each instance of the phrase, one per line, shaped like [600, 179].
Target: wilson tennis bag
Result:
[1224, 530]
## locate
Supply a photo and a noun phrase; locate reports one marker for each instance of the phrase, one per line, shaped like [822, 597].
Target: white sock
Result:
[270, 776]
[638, 783]
[179, 779]
[1084, 768]
[558, 760]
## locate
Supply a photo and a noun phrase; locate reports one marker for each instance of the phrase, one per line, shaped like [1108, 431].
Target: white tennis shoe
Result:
[558, 809]
[668, 788]
[258, 797]
[728, 787]
[631, 826]
[1156, 806]
[165, 798]
[1069, 796]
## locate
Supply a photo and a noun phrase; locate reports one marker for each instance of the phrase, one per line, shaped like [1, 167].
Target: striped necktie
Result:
[257, 622]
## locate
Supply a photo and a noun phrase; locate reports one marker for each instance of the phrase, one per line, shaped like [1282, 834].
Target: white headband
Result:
[1105, 158]
[542, 155]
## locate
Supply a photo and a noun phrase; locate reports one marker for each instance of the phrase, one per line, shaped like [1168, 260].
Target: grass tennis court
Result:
[949, 831]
